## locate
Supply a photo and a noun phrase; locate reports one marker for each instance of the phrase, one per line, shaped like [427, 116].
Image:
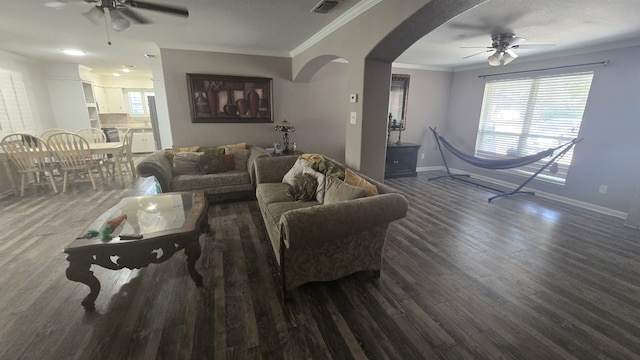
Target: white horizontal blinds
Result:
[525, 116]
[15, 113]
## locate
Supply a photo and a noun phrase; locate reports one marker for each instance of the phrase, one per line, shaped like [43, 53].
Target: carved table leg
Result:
[193, 252]
[78, 270]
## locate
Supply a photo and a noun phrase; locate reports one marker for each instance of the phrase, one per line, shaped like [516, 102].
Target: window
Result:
[15, 113]
[524, 116]
[137, 101]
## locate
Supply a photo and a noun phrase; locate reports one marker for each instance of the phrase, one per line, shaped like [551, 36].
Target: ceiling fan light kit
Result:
[118, 21]
[502, 46]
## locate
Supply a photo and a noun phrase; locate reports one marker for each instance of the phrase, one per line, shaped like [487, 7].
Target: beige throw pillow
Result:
[354, 179]
[337, 190]
[240, 157]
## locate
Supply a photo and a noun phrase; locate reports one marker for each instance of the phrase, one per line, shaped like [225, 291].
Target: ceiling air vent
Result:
[325, 6]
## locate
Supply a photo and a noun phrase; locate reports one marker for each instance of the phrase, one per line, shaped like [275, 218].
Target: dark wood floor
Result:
[520, 278]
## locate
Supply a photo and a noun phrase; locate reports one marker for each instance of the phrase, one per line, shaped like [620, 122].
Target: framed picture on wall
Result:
[230, 99]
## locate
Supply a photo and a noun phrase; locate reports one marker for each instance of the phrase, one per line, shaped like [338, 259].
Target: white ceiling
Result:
[276, 27]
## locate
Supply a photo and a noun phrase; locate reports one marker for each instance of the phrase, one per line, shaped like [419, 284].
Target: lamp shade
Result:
[285, 126]
[95, 15]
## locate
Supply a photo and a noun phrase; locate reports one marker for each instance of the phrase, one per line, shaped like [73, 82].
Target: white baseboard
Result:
[546, 195]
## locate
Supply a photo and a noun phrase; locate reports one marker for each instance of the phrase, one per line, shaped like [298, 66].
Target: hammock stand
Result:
[498, 164]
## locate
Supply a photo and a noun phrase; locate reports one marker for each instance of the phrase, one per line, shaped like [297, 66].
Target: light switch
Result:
[353, 118]
[353, 98]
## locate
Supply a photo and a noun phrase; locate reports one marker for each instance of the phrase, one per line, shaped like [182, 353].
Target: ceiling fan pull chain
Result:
[106, 27]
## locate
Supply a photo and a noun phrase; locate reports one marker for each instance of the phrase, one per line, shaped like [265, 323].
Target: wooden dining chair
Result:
[74, 155]
[126, 156]
[45, 134]
[30, 155]
[92, 135]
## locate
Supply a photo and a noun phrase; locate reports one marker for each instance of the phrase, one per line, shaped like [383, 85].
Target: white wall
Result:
[610, 128]
[316, 109]
[35, 80]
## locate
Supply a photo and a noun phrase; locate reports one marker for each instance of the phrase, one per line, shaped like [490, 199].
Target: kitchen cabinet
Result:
[402, 160]
[143, 141]
[110, 100]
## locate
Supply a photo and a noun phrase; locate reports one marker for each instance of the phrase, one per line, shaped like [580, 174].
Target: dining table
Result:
[114, 149]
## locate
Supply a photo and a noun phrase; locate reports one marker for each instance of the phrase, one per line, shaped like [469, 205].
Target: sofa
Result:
[224, 185]
[325, 240]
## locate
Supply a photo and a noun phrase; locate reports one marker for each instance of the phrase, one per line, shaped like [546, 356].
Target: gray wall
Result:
[316, 108]
[610, 128]
[428, 106]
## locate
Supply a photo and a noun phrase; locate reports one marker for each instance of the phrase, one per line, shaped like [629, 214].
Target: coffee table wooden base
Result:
[130, 257]
[176, 221]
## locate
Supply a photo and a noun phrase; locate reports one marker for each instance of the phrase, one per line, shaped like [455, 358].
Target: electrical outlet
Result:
[352, 118]
[603, 189]
[353, 98]
[422, 156]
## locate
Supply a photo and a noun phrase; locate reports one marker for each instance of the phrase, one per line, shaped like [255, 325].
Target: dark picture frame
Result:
[236, 99]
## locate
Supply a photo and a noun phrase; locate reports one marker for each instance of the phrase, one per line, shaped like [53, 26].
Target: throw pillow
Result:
[337, 190]
[240, 157]
[328, 167]
[242, 145]
[186, 163]
[211, 162]
[354, 179]
[303, 188]
[319, 178]
[296, 169]
[171, 152]
[229, 163]
[311, 157]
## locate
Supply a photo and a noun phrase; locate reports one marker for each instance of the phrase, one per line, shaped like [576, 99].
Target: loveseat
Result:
[223, 185]
[328, 239]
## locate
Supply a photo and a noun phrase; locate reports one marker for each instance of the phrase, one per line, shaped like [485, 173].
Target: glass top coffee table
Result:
[167, 222]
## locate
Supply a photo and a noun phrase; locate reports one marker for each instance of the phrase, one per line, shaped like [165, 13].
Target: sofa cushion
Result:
[203, 181]
[337, 190]
[240, 157]
[186, 163]
[211, 161]
[276, 210]
[351, 178]
[304, 187]
[270, 193]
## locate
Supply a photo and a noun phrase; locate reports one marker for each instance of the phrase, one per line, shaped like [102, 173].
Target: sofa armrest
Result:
[273, 169]
[157, 164]
[255, 152]
[309, 228]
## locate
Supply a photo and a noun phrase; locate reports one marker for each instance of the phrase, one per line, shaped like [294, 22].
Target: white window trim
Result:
[145, 106]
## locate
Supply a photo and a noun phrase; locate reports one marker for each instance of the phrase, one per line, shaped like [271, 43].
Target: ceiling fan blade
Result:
[475, 47]
[481, 52]
[134, 16]
[173, 10]
[534, 46]
[515, 40]
[95, 15]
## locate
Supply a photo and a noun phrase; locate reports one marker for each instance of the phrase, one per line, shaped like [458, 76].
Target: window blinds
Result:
[521, 117]
[15, 113]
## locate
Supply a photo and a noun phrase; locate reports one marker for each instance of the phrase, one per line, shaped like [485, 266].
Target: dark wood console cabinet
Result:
[401, 160]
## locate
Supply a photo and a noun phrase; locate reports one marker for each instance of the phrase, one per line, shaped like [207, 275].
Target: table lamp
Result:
[285, 128]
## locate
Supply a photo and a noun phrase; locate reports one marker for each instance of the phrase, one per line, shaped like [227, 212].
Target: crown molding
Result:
[341, 20]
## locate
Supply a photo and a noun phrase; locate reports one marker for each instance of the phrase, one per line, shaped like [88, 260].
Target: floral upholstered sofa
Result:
[225, 172]
[339, 231]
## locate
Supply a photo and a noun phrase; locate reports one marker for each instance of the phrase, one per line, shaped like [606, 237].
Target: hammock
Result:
[499, 163]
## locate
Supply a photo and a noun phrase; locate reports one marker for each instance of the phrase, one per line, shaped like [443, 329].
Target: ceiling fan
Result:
[121, 12]
[502, 46]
